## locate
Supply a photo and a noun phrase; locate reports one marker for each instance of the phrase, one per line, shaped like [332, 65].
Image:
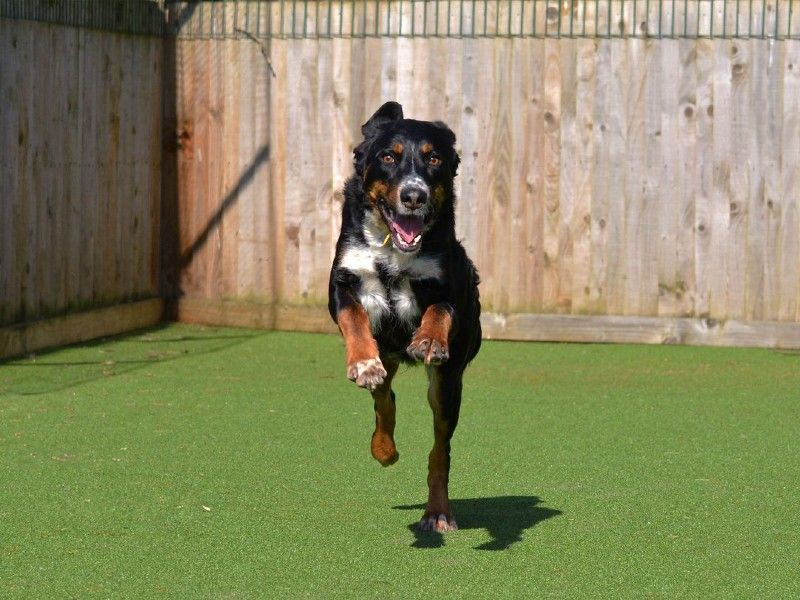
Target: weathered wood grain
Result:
[77, 180]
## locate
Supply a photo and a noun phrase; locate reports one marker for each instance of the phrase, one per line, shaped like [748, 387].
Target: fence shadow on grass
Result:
[506, 518]
[45, 372]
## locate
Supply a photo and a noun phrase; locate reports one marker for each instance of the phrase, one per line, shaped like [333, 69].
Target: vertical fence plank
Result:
[128, 190]
[666, 179]
[533, 123]
[8, 140]
[501, 188]
[56, 192]
[229, 96]
[295, 187]
[687, 189]
[757, 210]
[135, 271]
[551, 162]
[38, 177]
[344, 71]
[484, 168]
[91, 50]
[217, 211]
[618, 105]
[106, 252]
[783, 159]
[322, 238]
[469, 135]
[721, 192]
[789, 185]
[190, 135]
[647, 184]
[278, 146]
[450, 74]
[159, 152]
[601, 165]
[248, 248]
[637, 243]
[768, 152]
[21, 226]
[704, 170]
[569, 176]
[584, 174]
[519, 88]
[744, 132]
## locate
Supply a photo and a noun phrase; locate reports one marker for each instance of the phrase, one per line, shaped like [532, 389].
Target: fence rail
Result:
[143, 17]
[301, 19]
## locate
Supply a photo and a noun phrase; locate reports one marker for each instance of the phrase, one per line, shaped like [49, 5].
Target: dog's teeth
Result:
[418, 238]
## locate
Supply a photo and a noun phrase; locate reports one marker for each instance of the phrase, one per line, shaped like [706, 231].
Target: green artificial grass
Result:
[190, 462]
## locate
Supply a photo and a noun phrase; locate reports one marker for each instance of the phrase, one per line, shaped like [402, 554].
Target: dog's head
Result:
[407, 169]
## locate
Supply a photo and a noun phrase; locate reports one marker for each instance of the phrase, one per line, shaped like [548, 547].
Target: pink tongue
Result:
[407, 227]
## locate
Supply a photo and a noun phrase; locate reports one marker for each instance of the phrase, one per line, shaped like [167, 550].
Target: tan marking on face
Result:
[381, 189]
[377, 190]
[426, 148]
[397, 148]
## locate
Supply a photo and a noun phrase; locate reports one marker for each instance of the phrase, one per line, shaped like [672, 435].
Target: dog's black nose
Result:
[413, 197]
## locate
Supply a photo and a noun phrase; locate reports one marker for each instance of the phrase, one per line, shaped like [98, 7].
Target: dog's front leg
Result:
[364, 365]
[430, 342]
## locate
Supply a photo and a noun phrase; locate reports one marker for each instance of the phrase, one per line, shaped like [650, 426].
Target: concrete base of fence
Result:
[640, 330]
[522, 327]
[25, 338]
[237, 313]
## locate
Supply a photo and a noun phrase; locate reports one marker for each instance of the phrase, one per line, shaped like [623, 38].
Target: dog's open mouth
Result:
[406, 230]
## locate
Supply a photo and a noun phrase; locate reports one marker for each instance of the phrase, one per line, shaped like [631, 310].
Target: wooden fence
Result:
[80, 174]
[632, 178]
[628, 174]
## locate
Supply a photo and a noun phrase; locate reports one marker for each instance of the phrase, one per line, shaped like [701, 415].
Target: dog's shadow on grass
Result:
[506, 518]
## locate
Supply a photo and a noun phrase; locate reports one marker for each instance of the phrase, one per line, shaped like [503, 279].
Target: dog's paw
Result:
[439, 524]
[383, 449]
[367, 373]
[428, 350]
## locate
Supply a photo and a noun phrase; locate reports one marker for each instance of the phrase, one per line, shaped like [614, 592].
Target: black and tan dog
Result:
[402, 288]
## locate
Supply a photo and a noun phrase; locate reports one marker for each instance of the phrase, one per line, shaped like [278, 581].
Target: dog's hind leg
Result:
[444, 397]
[383, 447]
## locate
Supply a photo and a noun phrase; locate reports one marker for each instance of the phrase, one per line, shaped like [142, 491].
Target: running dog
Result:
[402, 288]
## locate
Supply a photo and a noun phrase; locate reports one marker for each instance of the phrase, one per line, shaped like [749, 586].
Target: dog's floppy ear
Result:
[388, 113]
[450, 140]
[391, 111]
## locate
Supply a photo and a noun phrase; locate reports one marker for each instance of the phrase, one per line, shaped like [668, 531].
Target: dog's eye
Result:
[434, 160]
[387, 159]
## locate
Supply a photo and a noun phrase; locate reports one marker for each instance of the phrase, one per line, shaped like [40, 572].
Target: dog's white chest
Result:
[391, 294]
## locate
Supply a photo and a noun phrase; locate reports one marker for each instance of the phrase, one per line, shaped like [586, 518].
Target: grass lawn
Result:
[190, 462]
